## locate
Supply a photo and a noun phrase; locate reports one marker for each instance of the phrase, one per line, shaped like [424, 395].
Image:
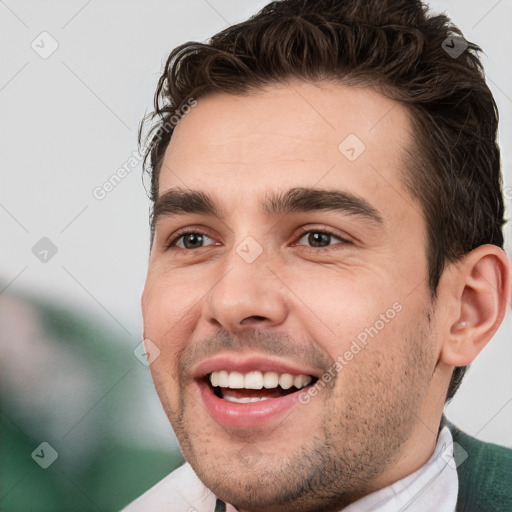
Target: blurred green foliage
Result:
[69, 381]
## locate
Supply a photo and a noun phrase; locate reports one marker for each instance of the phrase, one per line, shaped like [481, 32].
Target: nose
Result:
[248, 296]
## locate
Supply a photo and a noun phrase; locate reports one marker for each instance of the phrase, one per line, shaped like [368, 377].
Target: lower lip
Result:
[254, 414]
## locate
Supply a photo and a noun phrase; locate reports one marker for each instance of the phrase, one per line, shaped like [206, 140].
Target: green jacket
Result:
[485, 473]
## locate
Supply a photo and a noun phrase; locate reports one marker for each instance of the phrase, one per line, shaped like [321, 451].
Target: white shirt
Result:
[432, 488]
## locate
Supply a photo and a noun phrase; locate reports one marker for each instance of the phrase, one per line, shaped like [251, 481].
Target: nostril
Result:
[254, 318]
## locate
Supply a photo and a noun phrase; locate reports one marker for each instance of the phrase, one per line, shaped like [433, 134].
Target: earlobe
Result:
[483, 279]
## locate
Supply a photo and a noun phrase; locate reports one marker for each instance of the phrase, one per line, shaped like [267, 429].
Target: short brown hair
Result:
[398, 48]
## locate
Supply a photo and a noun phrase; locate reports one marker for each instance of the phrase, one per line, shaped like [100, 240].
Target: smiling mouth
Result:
[256, 386]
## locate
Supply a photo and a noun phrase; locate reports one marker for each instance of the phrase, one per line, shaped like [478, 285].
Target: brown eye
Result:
[192, 240]
[189, 240]
[319, 239]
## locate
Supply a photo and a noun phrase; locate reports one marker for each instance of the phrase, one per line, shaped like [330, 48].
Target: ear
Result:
[479, 290]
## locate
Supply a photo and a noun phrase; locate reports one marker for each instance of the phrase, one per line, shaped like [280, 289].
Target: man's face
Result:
[282, 284]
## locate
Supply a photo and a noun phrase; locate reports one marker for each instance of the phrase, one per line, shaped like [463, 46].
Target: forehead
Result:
[323, 135]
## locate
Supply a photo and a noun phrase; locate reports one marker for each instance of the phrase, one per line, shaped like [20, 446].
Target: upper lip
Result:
[237, 363]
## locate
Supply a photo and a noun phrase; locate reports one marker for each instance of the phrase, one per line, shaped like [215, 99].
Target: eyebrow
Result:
[179, 202]
[311, 199]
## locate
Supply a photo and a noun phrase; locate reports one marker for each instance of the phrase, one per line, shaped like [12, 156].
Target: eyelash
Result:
[187, 231]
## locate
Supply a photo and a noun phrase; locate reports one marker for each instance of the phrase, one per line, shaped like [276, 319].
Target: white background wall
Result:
[69, 121]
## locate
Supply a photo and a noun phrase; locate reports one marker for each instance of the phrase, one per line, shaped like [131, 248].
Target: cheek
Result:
[166, 307]
[166, 387]
[168, 301]
[345, 304]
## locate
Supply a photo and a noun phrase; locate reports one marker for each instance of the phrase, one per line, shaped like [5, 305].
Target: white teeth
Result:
[242, 400]
[286, 381]
[253, 380]
[271, 380]
[222, 378]
[258, 380]
[245, 400]
[236, 380]
[301, 381]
